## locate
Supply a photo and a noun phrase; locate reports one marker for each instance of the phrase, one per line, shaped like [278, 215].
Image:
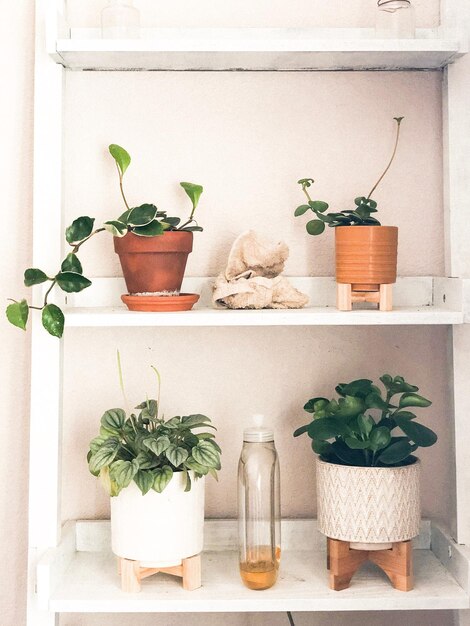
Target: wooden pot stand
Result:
[343, 562]
[347, 294]
[132, 573]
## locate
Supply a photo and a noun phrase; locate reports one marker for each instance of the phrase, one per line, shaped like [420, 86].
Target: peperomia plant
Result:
[144, 220]
[361, 215]
[365, 428]
[145, 448]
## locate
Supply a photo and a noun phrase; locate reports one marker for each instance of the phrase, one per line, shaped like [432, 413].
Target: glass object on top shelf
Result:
[259, 510]
[120, 20]
[395, 19]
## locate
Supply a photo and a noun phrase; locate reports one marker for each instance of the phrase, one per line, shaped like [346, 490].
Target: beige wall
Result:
[229, 120]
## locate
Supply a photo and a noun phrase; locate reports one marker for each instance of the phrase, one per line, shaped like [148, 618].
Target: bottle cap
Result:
[258, 434]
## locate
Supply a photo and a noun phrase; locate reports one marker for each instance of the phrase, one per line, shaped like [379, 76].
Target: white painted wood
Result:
[91, 583]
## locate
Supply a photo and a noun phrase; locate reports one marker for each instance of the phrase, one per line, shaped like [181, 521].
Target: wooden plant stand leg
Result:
[386, 297]
[344, 562]
[132, 573]
[343, 297]
[346, 296]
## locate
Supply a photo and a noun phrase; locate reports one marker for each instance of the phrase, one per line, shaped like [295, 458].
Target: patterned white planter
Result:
[375, 506]
[158, 529]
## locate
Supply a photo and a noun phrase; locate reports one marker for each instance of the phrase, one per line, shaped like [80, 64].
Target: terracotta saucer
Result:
[183, 302]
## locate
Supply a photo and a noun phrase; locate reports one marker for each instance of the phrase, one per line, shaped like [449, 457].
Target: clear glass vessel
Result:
[120, 20]
[395, 19]
[259, 511]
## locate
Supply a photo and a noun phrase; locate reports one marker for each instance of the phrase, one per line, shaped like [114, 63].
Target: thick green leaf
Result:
[33, 276]
[399, 385]
[375, 401]
[176, 454]
[80, 229]
[146, 460]
[413, 399]
[158, 445]
[103, 457]
[396, 453]
[193, 421]
[113, 421]
[315, 404]
[360, 388]
[405, 414]
[122, 472]
[350, 406]
[71, 263]
[188, 480]
[191, 463]
[142, 215]
[72, 282]
[300, 210]
[121, 156]
[379, 438]
[421, 435]
[116, 228]
[347, 455]
[356, 444]
[173, 423]
[326, 428]
[124, 217]
[163, 475]
[99, 442]
[192, 229]
[321, 447]
[144, 481]
[193, 191]
[205, 454]
[149, 230]
[315, 227]
[17, 314]
[360, 200]
[53, 320]
[301, 430]
[172, 221]
[318, 205]
[365, 424]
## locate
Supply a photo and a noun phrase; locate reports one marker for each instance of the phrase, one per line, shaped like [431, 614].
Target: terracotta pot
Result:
[366, 256]
[153, 264]
[371, 507]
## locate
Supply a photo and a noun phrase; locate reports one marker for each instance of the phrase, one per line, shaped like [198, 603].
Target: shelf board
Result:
[87, 580]
[291, 49]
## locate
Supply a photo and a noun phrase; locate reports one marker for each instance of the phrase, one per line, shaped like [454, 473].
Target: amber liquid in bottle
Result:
[260, 570]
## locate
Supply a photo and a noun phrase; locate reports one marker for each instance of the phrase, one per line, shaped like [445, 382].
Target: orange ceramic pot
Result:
[366, 256]
[154, 264]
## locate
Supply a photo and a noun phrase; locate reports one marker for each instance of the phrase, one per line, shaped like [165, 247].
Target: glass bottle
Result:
[259, 514]
[120, 20]
[395, 19]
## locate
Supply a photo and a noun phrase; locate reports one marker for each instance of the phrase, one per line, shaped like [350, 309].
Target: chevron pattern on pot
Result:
[368, 504]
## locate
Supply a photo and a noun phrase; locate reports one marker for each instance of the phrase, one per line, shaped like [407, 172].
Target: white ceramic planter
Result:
[159, 529]
[371, 507]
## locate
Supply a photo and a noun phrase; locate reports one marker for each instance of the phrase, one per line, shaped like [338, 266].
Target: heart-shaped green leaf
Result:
[103, 457]
[33, 276]
[142, 215]
[163, 475]
[71, 263]
[17, 314]
[53, 320]
[205, 454]
[80, 229]
[113, 421]
[72, 282]
[116, 228]
[158, 445]
[144, 481]
[122, 472]
[149, 230]
[121, 156]
[176, 454]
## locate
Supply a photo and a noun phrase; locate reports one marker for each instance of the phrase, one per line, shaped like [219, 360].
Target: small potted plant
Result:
[153, 249]
[366, 251]
[154, 468]
[367, 475]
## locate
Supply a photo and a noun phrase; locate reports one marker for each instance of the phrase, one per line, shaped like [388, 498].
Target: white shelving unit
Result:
[71, 569]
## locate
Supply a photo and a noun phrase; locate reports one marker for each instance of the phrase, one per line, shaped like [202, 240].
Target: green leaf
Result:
[421, 435]
[301, 430]
[172, 423]
[379, 438]
[188, 480]
[176, 454]
[122, 472]
[53, 320]
[326, 428]
[350, 406]
[356, 444]
[80, 229]
[144, 481]
[318, 205]
[375, 401]
[300, 210]
[193, 191]
[103, 457]
[405, 414]
[99, 442]
[33, 276]
[71, 263]
[149, 230]
[306, 182]
[142, 215]
[172, 221]
[366, 424]
[72, 282]
[396, 453]
[121, 156]
[311, 406]
[347, 455]
[193, 421]
[413, 399]
[321, 447]
[113, 421]
[205, 454]
[360, 388]
[124, 217]
[191, 463]
[157, 445]
[163, 475]
[192, 229]
[315, 227]
[17, 314]
[146, 460]
[360, 200]
[116, 228]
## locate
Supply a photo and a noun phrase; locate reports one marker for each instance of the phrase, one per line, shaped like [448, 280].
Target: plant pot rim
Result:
[166, 233]
[368, 468]
[365, 226]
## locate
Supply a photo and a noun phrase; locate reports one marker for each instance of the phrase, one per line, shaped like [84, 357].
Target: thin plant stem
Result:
[76, 247]
[49, 291]
[123, 391]
[121, 187]
[304, 189]
[159, 386]
[398, 121]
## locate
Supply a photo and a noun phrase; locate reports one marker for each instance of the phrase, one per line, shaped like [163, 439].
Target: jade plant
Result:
[366, 426]
[145, 220]
[143, 447]
[361, 215]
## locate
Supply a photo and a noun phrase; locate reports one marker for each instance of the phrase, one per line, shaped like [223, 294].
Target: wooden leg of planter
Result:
[344, 563]
[397, 563]
[192, 573]
[130, 576]
[343, 297]
[386, 297]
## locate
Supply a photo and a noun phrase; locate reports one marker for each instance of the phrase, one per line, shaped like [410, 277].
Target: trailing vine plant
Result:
[361, 215]
[145, 220]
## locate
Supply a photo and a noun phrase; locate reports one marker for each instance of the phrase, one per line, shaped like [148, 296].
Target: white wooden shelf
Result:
[291, 49]
[81, 576]
[419, 300]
